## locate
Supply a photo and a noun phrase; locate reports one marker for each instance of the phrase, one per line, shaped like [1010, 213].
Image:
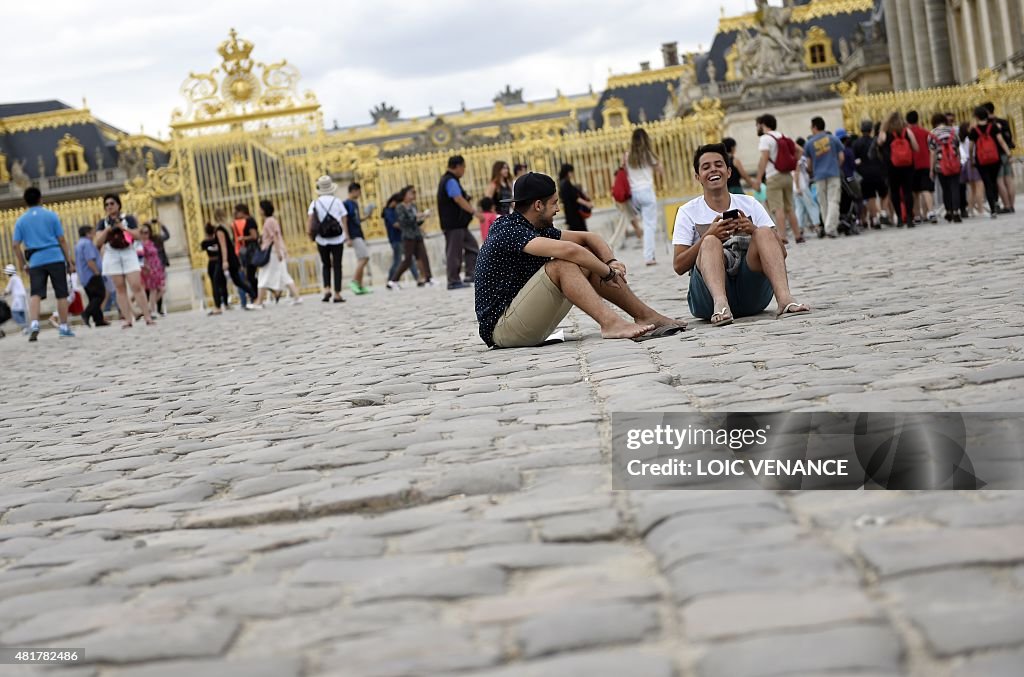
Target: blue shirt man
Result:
[355, 228]
[825, 154]
[40, 231]
[86, 251]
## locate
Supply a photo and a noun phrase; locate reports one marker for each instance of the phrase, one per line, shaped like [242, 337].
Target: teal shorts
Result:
[749, 293]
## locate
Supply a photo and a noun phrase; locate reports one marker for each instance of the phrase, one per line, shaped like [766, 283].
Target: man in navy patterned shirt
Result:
[529, 274]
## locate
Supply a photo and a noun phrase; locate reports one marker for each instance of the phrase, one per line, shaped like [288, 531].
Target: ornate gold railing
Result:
[1008, 98]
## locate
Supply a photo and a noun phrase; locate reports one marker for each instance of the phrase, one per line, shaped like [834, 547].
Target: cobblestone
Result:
[421, 505]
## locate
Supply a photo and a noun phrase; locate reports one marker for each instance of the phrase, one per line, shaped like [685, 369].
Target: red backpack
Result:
[986, 150]
[785, 158]
[620, 186]
[949, 157]
[900, 152]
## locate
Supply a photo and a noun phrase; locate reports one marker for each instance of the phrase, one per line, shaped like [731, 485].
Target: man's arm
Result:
[810, 164]
[566, 250]
[92, 266]
[464, 203]
[761, 166]
[344, 227]
[67, 253]
[592, 241]
[19, 256]
[842, 159]
[684, 258]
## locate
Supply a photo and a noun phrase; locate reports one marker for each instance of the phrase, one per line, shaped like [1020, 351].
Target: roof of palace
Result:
[31, 130]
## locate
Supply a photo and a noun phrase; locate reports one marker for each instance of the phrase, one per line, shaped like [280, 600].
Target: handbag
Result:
[620, 186]
[260, 257]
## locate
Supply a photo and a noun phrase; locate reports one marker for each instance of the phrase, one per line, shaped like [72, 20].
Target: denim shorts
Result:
[749, 293]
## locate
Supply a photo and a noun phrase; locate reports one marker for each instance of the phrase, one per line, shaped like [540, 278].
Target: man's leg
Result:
[453, 255]
[711, 264]
[471, 249]
[765, 256]
[828, 191]
[577, 287]
[1003, 184]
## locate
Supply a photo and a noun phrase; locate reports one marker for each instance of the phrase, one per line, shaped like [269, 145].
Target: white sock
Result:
[64, 327]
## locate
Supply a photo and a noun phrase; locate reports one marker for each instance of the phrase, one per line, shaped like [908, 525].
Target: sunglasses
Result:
[109, 204]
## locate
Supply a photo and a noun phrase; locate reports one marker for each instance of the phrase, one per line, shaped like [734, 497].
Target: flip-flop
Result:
[725, 316]
[786, 311]
[661, 332]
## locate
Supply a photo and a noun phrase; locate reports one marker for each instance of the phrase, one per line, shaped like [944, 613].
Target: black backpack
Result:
[5, 312]
[328, 226]
[1007, 133]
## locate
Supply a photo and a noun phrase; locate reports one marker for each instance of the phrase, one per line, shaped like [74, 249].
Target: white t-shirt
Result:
[697, 212]
[769, 141]
[328, 204]
[640, 178]
[16, 290]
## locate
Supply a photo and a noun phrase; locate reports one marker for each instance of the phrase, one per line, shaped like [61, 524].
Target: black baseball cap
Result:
[532, 186]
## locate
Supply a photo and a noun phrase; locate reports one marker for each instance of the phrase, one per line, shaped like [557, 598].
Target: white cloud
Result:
[130, 57]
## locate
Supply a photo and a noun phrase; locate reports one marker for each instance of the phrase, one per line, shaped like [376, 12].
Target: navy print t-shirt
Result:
[503, 268]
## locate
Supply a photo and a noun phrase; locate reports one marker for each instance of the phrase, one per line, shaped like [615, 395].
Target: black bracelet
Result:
[609, 262]
[610, 276]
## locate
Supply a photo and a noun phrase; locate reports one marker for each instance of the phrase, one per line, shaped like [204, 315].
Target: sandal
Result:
[126, 325]
[724, 317]
[800, 309]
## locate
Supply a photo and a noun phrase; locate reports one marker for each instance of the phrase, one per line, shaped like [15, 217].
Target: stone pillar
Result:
[957, 46]
[892, 32]
[1004, 19]
[972, 51]
[938, 38]
[984, 33]
[925, 73]
[907, 46]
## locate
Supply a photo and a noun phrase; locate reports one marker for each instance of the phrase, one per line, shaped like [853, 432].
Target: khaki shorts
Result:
[534, 313]
[358, 245]
[780, 192]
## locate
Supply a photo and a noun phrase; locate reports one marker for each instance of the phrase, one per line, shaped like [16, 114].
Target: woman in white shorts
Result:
[115, 238]
[274, 276]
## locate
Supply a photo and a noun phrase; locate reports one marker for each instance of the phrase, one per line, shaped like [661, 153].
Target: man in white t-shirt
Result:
[778, 184]
[725, 281]
[331, 244]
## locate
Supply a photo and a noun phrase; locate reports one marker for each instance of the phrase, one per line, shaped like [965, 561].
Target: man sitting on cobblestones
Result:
[725, 241]
[529, 274]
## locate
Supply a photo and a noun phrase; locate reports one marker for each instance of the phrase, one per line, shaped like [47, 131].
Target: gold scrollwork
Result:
[801, 13]
[47, 120]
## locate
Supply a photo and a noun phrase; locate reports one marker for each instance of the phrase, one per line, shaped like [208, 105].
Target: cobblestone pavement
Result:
[365, 490]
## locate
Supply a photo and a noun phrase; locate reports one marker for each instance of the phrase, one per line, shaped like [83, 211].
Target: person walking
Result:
[1007, 186]
[356, 239]
[274, 276]
[247, 243]
[779, 157]
[737, 173]
[574, 201]
[825, 157]
[500, 187]
[46, 256]
[390, 217]
[898, 147]
[868, 162]
[329, 226]
[154, 277]
[924, 184]
[229, 260]
[987, 149]
[970, 176]
[945, 151]
[15, 291]
[90, 276]
[410, 222]
[641, 166]
[804, 200]
[456, 212]
[115, 238]
[215, 268]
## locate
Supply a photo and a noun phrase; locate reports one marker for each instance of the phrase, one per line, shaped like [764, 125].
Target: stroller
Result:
[851, 203]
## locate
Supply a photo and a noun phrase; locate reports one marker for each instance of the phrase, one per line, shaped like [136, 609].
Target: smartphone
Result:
[730, 214]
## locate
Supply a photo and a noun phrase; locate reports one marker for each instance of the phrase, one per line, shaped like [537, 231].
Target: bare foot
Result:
[659, 320]
[625, 330]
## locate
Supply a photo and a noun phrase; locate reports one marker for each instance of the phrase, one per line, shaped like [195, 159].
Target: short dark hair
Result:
[242, 207]
[114, 197]
[818, 122]
[267, 206]
[84, 230]
[354, 186]
[800, 141]
[990, 107]
[709, 148]
[981, 113]
[564, 172]
[32, 196]
[455, 161]
[912, 117]
[486, 204]
[866, 126]
[768, 120]
[729, 143]
[938, 119]
[519, 166]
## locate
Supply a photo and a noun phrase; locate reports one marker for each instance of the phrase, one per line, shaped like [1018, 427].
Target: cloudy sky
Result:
[130, 58]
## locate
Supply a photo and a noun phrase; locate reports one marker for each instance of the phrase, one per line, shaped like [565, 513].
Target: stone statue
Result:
[770, 51]
[18, 175]
[131, 161]
[844, 50]
[711, 71]
[41, 166]
[99, 157]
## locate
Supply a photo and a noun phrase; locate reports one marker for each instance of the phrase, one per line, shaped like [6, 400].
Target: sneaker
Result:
[932, 217]
[957, 219]
[296, 301]
[458, 285]
[253, 306]
[33, 335]
[66, 333]
[431, 282]
[468, 280]
[393, 285]
[355, 287]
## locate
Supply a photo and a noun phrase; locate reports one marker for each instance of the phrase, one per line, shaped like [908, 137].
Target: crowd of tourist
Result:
[895, 172]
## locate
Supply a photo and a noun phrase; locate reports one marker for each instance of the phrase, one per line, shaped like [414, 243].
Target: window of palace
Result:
[615, 112]
[70, 157]
[818, 49]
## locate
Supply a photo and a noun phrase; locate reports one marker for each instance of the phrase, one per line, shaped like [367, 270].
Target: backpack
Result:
[949, 157]
[328, 226]
[1007, 133]
[785, 157]
[986, 150]
[620, 187]
[900, 152]
[5, 312]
